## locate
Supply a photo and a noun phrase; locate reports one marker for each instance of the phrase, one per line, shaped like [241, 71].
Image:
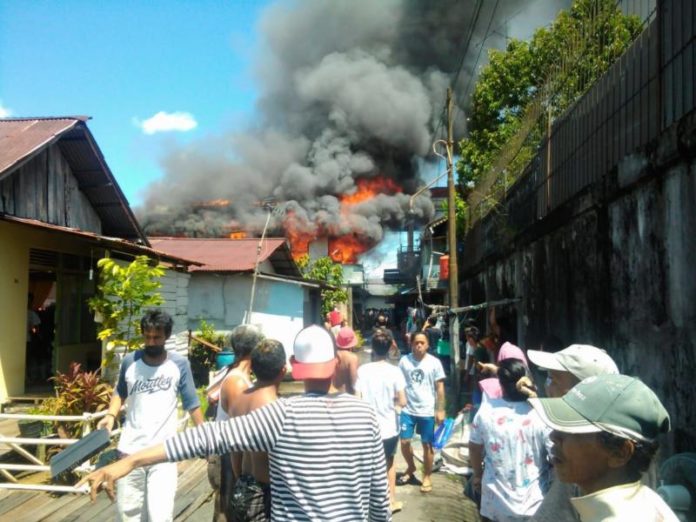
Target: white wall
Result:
[223, 300]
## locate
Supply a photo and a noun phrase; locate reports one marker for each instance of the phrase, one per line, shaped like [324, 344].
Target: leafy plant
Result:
[122, 293]
[201, 357]
[327, 271]
[77, 392]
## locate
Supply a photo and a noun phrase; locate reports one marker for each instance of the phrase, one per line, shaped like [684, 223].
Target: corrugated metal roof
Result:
[104, 241]
[229, 255]
[22, 138]
[19, 138]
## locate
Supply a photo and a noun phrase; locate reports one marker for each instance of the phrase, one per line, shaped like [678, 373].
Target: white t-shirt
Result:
[150, 394]
[378, 383]
[421, 377]
[516, 471]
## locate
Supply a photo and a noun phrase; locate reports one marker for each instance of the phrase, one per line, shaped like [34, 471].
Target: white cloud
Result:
[167, 122]
[4, 111]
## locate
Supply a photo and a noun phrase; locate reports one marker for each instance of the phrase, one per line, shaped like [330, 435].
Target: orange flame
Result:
[238, 234]
[299, 240]
[213, 203]
[346, 248]
[368, 188]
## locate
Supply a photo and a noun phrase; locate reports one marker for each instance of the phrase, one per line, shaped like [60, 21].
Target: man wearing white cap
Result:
[567, 368]
[325, 450]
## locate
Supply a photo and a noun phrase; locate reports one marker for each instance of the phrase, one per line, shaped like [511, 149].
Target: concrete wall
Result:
[223, 300]
[614, 268]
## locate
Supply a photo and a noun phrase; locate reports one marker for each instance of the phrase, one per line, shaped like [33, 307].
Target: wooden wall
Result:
[45, 189]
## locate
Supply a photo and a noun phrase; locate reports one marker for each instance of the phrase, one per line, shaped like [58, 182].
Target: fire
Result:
[299, 240]
[213, 203]
[368, 188]
[238, 234]
[345, 248]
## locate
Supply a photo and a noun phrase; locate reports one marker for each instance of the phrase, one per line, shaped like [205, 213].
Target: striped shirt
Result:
[325, 454]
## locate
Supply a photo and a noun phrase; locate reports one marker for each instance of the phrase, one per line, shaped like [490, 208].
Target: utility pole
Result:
[452, 247]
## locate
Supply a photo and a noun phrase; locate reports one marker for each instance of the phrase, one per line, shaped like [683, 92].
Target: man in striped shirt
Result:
[325, 450]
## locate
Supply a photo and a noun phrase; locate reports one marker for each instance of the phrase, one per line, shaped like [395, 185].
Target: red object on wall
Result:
[444, 267]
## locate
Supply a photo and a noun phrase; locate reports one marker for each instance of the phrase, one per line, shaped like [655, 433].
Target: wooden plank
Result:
[16, 498]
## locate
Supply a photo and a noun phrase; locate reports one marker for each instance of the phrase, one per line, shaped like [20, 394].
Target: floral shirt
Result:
[515, 444]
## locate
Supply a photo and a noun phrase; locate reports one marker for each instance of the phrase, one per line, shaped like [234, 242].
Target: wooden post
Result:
[452, 247]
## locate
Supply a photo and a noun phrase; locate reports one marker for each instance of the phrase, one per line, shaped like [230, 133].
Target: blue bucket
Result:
[223, 359]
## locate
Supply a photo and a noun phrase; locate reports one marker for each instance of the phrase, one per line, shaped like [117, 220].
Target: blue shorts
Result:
[424, 426]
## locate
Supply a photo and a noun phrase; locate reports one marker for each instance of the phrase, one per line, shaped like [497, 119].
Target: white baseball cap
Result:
[582, 360]
[314, 354]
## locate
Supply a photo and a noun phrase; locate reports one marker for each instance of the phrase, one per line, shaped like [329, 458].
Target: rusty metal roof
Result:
[230, 255]
[22, 138]
[113, 243]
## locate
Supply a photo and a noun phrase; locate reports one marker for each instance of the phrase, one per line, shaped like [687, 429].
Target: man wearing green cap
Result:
[604, 438]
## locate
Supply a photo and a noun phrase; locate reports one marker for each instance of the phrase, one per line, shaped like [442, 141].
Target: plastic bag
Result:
[443, 433]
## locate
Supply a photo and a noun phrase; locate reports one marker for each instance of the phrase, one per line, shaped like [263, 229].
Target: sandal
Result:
[396, 507]
[426, 488]
[407, 479]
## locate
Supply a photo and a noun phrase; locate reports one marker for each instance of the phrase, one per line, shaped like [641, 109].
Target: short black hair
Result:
[381, 342]
[642, 457]
[509, 372]
[416, 334]
[156, 319]
[244, 339]
[268, 360]
[472, 331]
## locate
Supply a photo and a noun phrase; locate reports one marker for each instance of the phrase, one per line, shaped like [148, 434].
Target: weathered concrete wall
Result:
[614, 268]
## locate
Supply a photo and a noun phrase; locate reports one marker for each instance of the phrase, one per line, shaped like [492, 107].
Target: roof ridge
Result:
[46, 118]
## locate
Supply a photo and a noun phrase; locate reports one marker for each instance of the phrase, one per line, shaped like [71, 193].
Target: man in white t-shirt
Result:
[425, 406]
[382, 385]
[149, 382]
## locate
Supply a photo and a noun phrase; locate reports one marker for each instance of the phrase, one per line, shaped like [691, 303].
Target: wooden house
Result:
[61, 210]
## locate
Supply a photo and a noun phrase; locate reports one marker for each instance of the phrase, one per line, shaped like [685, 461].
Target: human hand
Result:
[526, 387]
[107, 422]
[439, 416]
[487, 368]
[106, 478]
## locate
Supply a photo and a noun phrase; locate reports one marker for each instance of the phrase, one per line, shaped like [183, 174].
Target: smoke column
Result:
[350, 90]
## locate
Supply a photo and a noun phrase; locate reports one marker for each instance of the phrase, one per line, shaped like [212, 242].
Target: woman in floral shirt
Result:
[508, 449]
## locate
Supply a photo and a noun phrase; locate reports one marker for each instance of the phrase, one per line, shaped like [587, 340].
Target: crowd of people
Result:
[574, 449]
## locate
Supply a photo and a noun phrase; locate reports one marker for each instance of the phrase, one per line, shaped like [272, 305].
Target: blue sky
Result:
[122, 62]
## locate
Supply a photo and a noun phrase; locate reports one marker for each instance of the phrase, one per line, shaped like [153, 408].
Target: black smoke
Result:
[349, 89]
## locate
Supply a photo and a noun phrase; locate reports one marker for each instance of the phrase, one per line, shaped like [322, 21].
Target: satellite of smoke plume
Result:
[351, 96]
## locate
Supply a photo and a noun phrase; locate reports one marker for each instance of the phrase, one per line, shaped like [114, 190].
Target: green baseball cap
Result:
[617, 404]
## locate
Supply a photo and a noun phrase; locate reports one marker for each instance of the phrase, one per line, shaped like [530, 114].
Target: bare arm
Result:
[353, 371]
[197, 416]
[440, 401]
[113, 411]
[476, 461]
[106, 477]
[400, 399]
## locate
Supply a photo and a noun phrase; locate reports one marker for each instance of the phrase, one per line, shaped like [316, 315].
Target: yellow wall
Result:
[15, 243]
[14, 287]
